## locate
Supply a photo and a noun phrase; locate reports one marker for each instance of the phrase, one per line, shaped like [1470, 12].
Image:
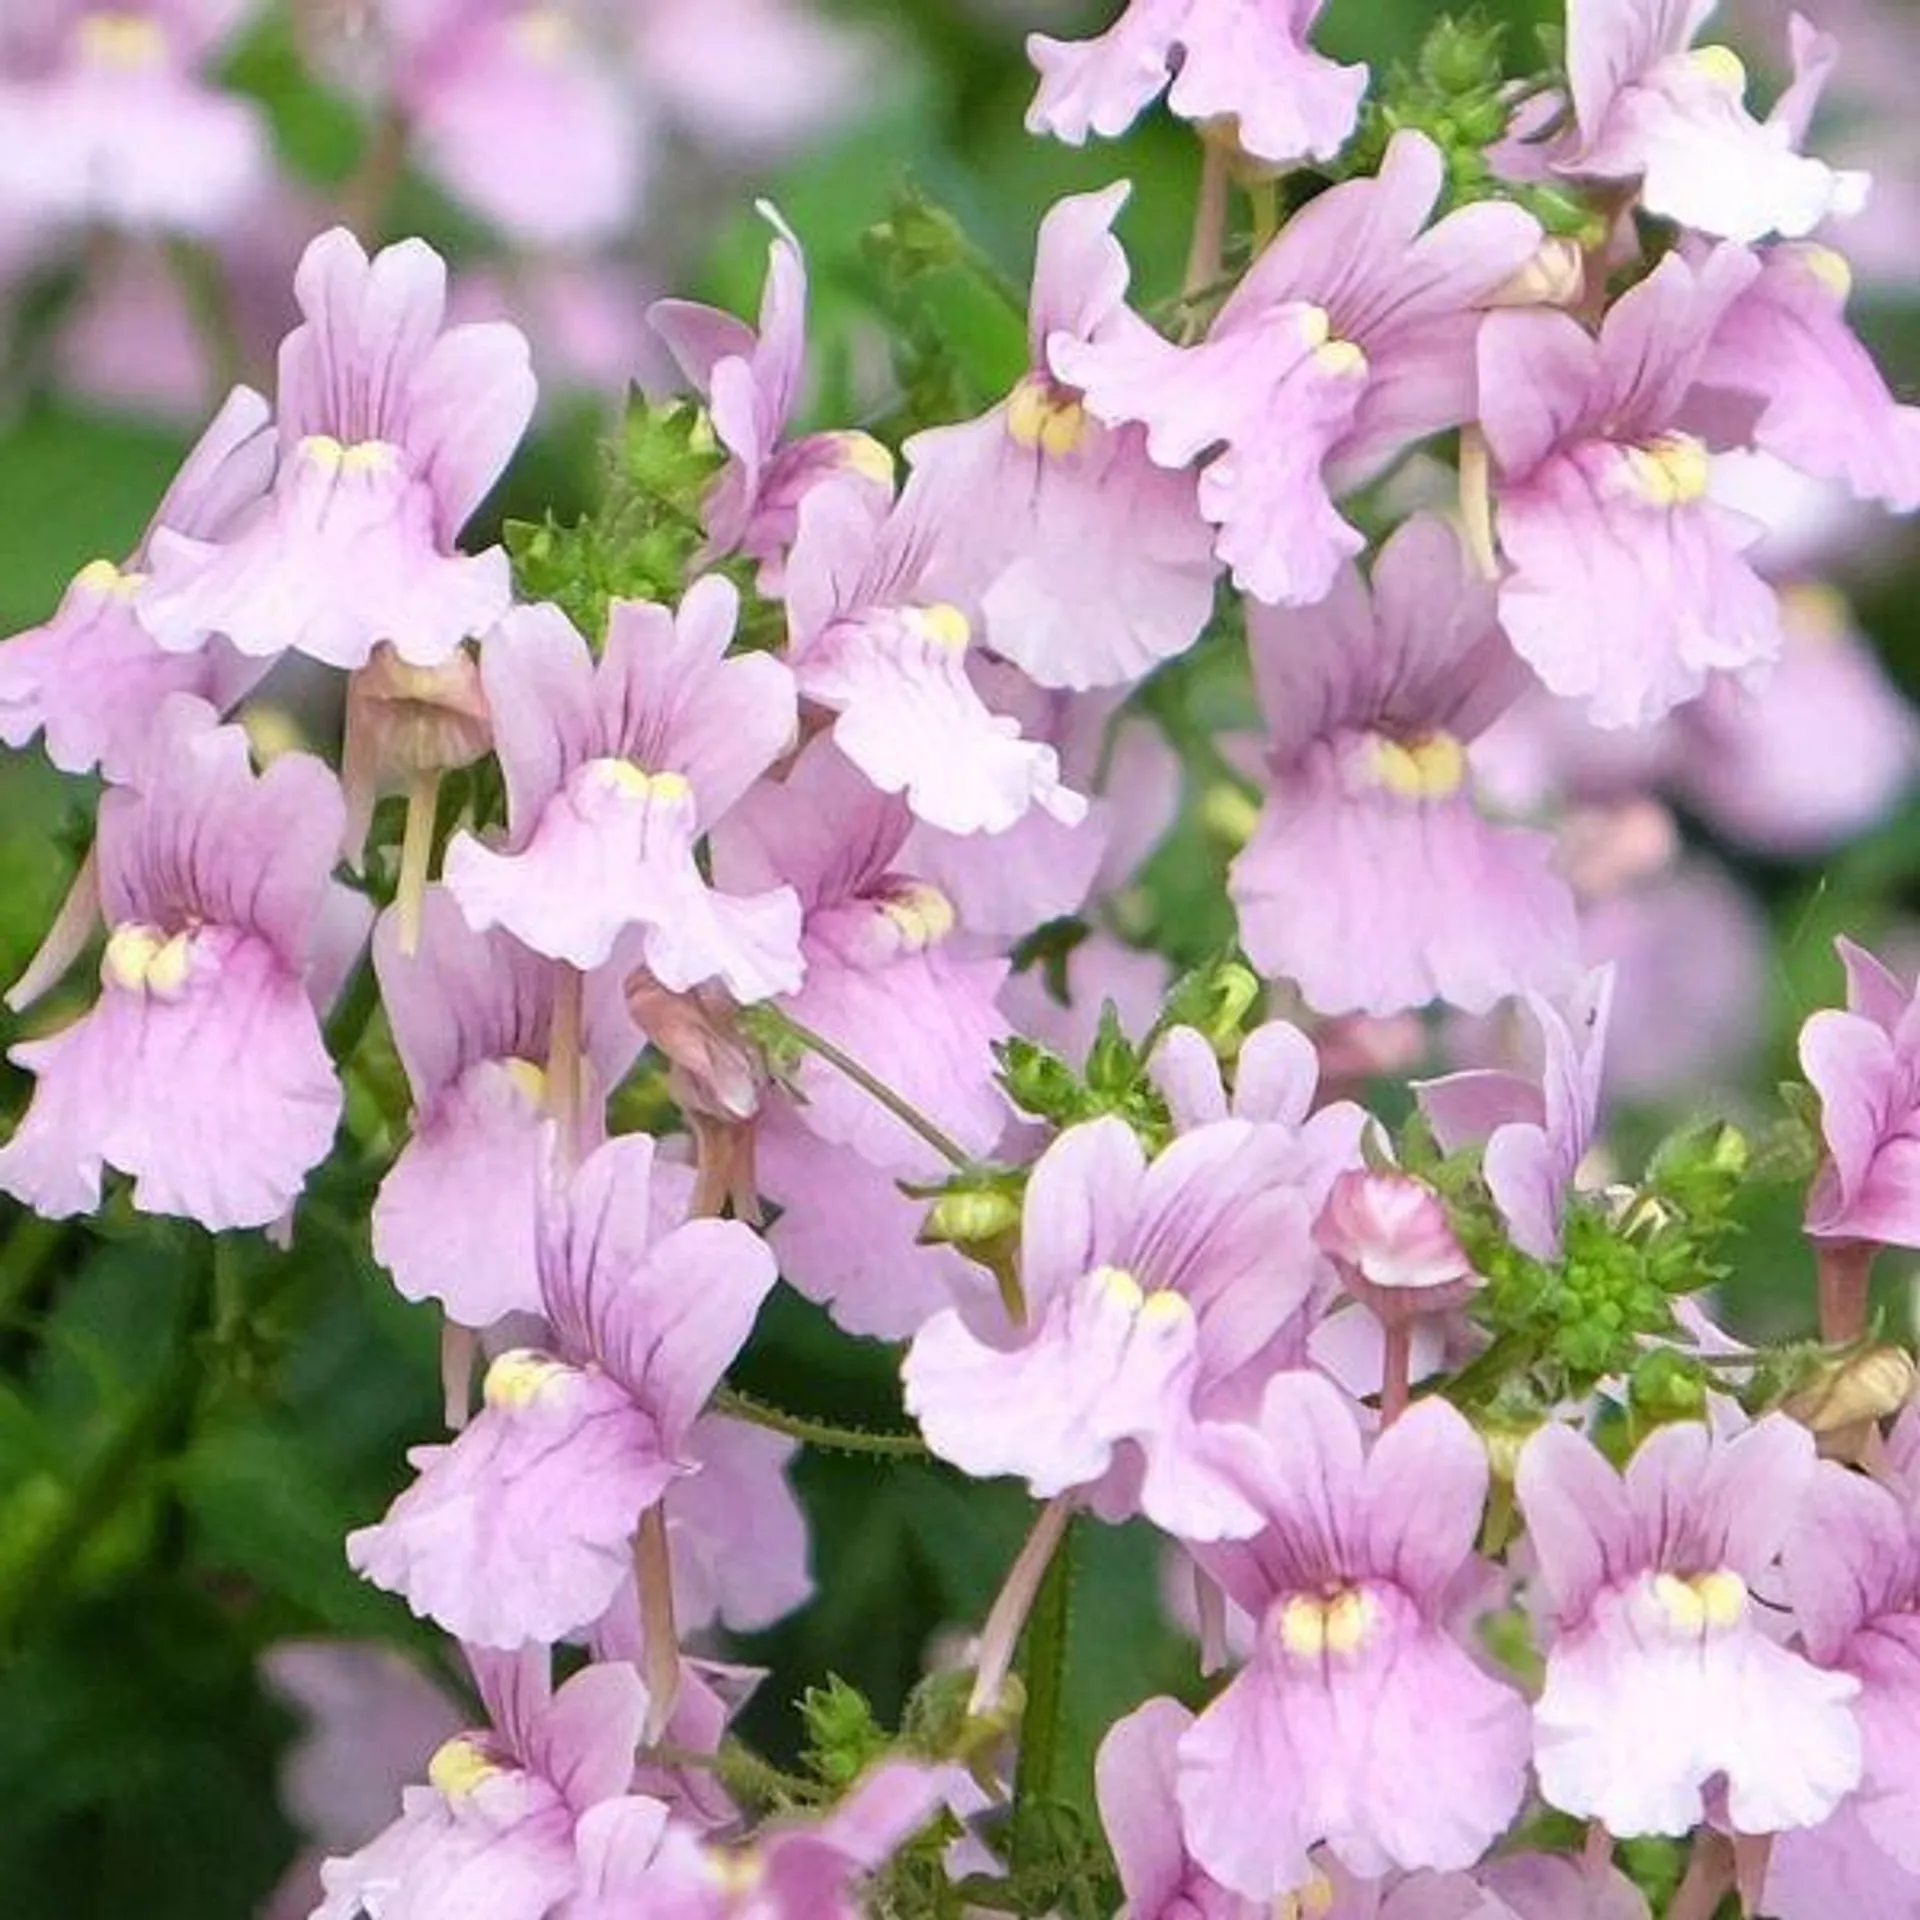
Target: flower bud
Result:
[1867, 1387]
[1556, 276]
[971, 1217]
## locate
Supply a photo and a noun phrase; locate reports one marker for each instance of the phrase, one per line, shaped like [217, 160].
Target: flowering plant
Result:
[1018, 1029]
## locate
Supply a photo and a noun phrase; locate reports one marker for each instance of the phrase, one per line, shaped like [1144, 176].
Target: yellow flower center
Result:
[517, 1379]
[459, 1766]
[1722, 66]
[923, 914]
[1340, 1623]
[528, 1079]
[1702, 1602]
[634, 782]
[1671, 471]
[1431, 766]
[736, 1871]
[861, 453]
[143, 959]
[1314, 1901]
[323, 451]
[108, 581]
[1041, 415]
[946, 626]
[1827, 267]
[128, 42]
[1162, 1307]
[1336, 358]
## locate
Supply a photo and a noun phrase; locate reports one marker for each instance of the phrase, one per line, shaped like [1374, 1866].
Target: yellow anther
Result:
[1303, 1627]
[634, 782]
[517, 1379]
[946, 625]
[1827, 267]
[1119, 1286]
[459, 1766]
[1165, 1308]
[528, 1079]
[128, 41]
[861, 453]
[322, 450]
[923, 914]
[1431, 766]
[1679, 1602]
[544, 33]
[1041, 415]
[1340, 360]
[736, 1871]
[1349, 1619]
[671, 787]
[1314, 1901]
[1722, 66]
[1723, 1597]
[110, 582]
[130, 952]
[1671, 471]
[167, 971]
[1341, 1624]
[1316, 328]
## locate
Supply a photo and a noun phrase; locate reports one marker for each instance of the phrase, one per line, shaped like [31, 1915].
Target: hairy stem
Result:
[824, 1434]
[1043, 1667]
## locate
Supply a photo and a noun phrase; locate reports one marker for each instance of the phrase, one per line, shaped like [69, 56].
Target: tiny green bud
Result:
[1666, 1386]
[971, 1218]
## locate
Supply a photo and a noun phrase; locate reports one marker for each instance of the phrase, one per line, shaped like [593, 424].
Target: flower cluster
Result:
[782, 930]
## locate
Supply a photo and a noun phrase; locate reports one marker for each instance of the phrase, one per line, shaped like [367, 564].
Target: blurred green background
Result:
[185, 1437]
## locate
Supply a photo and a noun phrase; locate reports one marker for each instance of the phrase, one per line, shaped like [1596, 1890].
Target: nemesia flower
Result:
[492, 1835]
[1147, 1289]
[391, 433]
[1390, 1238]
[1852, 1562]
[471, 1014]
[614, 770]
[523, 111]
[790, 1870]
[1660, 1679]
[1865, 1066]
[1651, 106]
[105, 117]
[92, 678]
[884, 981]
[892, 667]
[1626, 583]
[751, 383]
[1536, 1135]
[1372, 880]
[522, 1528]
[1349, 339]
[200, 1069]
[1087, 564]
[1246, 62]
[1359, 1724]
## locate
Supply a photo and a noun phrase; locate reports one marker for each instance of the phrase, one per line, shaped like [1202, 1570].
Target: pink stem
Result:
[1396, 1365]
[1015, 1601]
[1845, 1267]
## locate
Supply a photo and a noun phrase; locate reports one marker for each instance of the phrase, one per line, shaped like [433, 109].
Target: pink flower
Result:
[1865, 1065]
[92, 679]
[1350, 339]
[1087, 564]
[105, 117]
[1651, 107]
[1626, 585]
[454, 1219]
[891, 666]
[1151, 1292]
[1360, 1723]
[751, 383]
[200, 1070]
[1390, 1238]
[391, 433]
[522, 1528]
[1244, 61]
[492, 1836]
[1536, 1135]
[1660, 1678]
[614, 770]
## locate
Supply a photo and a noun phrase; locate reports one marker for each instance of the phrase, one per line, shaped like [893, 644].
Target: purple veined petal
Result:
[1080, 1198]
[1100, 86]
[1080, 269]
[1426, 1483]
[1848, 1558]
[585, 1740]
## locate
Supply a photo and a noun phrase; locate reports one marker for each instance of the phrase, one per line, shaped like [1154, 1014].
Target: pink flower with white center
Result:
[1626, 583]
[522, 1529]
[1395, 1248]
[1373, 880]
[1865, 1066]
[391, 433]
[1825, 408]
[614, 771]
[91, 679]
[1151, 1294]
[1660, 1678]
[472, 1017]
[1087, 564]
[890, 663]
[200, 1070]
[751, 383]
[524, 110]
[1536, 1133]
[105, 117]
[492, 1835]
[1245, 62]
[1652, 107]
[1360, 1724]
[1852, 1565]
[887, 980]
[1351, 338]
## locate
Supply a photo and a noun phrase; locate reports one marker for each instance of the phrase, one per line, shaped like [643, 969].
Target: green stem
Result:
[943, 1143]
[353, 1013]
[736, 1405]
[1043, 1668]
